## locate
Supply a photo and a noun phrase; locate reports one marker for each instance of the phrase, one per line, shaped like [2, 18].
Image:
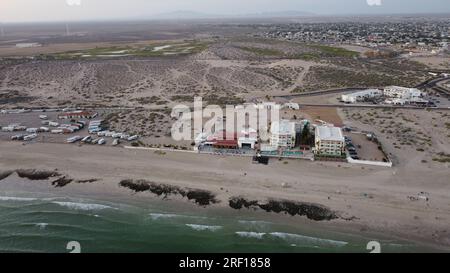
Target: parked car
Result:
[74, 139]
[86, 139]
[30, 137]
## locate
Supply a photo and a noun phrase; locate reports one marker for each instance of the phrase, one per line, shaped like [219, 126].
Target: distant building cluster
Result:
[394, 95]
[282, 138]
[361, 96]
[421, 34]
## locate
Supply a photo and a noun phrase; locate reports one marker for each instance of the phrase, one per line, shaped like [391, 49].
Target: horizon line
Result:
[224, 17]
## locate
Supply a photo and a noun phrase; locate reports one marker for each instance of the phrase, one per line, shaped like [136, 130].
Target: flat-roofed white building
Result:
[283, 134]
[329, 141]
[361, 95]
[404, 93]
[248, 138]
[291, 105]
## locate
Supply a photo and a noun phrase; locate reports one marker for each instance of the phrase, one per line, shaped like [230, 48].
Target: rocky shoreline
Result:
[59, 181]
[200, 197]
[314, 212]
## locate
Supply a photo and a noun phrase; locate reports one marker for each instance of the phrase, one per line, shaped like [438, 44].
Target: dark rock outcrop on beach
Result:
[62, 182]
[200, 197]
[314, 212]
[5, 174]
[33, 174]
[239, 203]
[87, 181]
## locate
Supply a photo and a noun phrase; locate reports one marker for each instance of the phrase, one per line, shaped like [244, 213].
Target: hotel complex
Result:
[329, 141]
[361, 95]
[395, 95]
[283, 134]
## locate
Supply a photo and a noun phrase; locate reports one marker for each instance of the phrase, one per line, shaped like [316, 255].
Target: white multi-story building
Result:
[329, 141]
[248, 139]
[361, 95]
[283, 134]
[403, 93]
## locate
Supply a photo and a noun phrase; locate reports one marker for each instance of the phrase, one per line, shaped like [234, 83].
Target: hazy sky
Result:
[61, 10]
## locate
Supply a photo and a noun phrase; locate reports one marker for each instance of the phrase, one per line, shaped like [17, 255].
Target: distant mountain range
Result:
[185, 14]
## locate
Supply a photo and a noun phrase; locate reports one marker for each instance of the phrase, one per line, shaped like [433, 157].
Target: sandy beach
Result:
[368, 199]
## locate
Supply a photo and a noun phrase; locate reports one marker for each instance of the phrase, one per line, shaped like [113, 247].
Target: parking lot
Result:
[365, 148]
[33, 120]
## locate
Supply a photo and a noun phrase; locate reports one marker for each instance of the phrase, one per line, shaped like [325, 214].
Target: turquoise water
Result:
[48, 224]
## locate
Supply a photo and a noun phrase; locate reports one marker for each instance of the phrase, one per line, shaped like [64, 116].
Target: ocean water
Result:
[31, 224]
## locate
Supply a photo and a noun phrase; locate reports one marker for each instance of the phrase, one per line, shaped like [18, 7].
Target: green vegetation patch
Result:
[330, 51]
[442, 158]
[156, 50]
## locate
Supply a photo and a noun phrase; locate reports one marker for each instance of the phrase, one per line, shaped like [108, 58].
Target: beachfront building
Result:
[329, 141]
[222, 140]
[361, 95]
[283, 134]
[248, 139]
[402, 93]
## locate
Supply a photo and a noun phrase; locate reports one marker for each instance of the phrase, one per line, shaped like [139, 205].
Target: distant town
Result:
[416, 36]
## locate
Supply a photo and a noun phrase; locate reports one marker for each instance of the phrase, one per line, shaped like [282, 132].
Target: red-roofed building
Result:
[225, 140]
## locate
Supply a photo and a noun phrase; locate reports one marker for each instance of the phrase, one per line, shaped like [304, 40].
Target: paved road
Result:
[434, 85]
[321, 92]
[373, 106]
[430, 83]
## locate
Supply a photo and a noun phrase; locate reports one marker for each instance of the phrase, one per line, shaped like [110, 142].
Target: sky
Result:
[76, 10]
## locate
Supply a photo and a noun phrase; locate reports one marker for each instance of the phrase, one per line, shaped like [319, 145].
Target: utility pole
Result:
[67, 30]
[2, 31]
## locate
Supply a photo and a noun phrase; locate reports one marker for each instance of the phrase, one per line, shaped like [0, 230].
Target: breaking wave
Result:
[18, 199]
[82, 206]
[254, 223]
[249, 234]
[302, 239]
[204, 227]
[158, 216]
[41, 225]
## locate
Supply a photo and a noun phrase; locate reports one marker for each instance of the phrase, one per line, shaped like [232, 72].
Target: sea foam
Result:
[204, 227]
[41, 225]
[158, 216]
[298, 239]
[18, 199]
[82, 206]
[249, 234]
